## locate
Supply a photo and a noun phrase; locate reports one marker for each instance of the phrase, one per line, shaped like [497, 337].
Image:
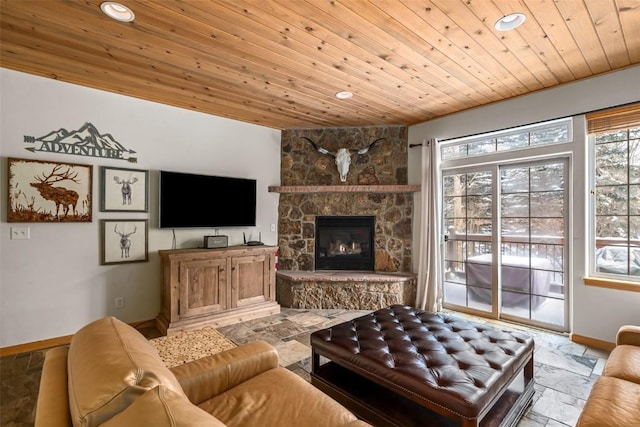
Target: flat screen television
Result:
[190, 200]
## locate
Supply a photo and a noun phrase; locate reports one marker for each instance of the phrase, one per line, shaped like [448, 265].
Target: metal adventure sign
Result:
[86, 141]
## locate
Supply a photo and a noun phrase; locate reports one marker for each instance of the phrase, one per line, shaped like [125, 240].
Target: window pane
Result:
[547, 204]
[553, 134]
[515, 180]
[611, 163]
[454, 207]
[547, 177]
[611, 227]
[611, 200]
[478, 237]
[454, 151]
[482, 147]
[515, 226]
[479, 206]
[509, 142]
[619, 135]
[547, 227]
[454, 185]
[515, 205]
[479, 183]
[455, 294]
[480, 226]
[456, 227]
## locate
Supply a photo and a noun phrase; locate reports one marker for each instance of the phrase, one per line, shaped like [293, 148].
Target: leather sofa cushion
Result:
[109, 365]
[162, 407]
[628, 335]
[612, 402]
[204, 378]
[278, 398]
[53, 411]
[624, 363]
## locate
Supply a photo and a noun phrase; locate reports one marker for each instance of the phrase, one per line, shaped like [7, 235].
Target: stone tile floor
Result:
[564, 371]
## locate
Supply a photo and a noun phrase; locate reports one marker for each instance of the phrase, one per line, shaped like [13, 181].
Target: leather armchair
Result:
[111, 376]
[615, 397]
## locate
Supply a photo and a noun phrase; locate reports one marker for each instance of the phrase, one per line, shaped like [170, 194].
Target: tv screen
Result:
[204, 201]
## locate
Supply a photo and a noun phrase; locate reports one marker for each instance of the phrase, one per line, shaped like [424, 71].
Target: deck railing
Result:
[461, 246]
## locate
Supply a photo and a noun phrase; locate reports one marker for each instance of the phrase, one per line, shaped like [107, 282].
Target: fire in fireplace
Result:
[345, 243]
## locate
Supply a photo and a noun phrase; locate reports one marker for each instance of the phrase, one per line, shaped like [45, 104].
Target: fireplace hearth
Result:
[345, 243]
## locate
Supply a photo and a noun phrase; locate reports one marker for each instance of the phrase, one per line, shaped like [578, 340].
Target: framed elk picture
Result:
[124, 240]
[44, 191]
[124, 190]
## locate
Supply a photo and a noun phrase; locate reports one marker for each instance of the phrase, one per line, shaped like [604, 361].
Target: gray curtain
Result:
[429, 292]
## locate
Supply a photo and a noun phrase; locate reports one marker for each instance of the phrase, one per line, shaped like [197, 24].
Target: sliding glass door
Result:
[505, 242]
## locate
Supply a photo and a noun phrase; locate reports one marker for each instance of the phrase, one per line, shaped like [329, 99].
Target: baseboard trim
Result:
[592, 342]
[55, 342]
[35, 346]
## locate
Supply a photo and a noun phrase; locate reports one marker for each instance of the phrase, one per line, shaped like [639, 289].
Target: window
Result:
[552, 132]
[615, 138]
[505, 216]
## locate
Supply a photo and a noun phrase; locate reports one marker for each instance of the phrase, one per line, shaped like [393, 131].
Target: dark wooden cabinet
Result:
[216, 287]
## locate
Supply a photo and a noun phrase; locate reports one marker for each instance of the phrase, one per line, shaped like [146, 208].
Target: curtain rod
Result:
[534, 123]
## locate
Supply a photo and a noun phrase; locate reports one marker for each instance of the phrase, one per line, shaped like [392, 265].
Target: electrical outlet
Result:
[119, 302]
[273, 227]
[20, 233]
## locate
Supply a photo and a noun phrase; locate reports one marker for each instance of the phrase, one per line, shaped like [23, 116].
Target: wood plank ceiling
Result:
[279, 63]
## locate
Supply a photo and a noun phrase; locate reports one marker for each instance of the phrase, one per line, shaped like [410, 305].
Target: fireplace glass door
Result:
[345, 243]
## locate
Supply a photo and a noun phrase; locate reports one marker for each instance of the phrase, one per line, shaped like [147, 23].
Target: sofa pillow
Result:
[160, 407]
[110, 364]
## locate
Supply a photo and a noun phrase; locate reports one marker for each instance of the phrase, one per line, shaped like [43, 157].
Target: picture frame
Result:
[124, 190]
[49, 191]
[124, 241]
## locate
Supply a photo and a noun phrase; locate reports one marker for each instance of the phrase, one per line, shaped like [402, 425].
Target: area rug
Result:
[190, 345]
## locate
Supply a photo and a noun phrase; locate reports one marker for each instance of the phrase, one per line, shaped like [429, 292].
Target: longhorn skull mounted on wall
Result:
[342, 156]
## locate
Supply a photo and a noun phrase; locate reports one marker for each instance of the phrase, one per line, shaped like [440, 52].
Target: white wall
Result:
[53, 284]
[595, 312]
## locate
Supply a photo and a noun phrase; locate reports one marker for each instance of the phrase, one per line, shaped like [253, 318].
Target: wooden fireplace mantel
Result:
[344, 189]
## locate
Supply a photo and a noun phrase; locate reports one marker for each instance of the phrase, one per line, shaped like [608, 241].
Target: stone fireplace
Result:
[311, 189]
[344, 243]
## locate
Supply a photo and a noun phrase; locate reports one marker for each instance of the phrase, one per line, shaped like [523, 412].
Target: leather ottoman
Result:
[403, 366]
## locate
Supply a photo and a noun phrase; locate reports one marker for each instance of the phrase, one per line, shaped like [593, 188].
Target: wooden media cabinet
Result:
[216, 287]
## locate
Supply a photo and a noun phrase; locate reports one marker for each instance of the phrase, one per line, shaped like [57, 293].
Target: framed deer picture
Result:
[124, 190]
[124, 240]
[44, 191]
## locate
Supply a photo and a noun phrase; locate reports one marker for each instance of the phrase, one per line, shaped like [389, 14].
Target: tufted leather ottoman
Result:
[400, 366]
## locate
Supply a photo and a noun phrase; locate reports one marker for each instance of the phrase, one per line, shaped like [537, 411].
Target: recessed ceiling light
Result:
[117, 11]
[511, 21]
[344, 94]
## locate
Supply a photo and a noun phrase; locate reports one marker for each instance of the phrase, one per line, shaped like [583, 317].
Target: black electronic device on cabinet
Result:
[253, 242]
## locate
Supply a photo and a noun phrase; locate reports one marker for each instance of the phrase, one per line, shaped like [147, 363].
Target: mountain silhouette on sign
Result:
[86, 136]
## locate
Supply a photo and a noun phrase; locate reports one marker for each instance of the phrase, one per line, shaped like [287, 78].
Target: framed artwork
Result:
[124, 240]
[44, 191]
[124, 190]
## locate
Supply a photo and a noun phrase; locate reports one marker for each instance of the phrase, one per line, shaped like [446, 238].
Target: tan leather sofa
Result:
[615, 397]
[110, 375]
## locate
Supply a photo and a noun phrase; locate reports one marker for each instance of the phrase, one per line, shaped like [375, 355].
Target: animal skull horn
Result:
[342, 156]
